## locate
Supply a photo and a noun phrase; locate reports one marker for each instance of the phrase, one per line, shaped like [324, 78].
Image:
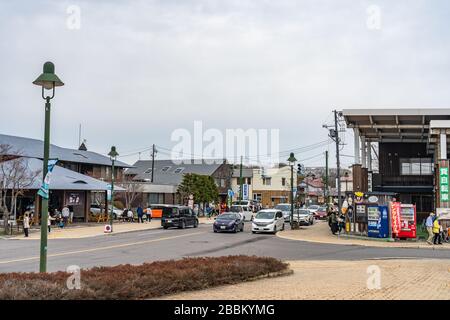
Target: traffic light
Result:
[300, 169]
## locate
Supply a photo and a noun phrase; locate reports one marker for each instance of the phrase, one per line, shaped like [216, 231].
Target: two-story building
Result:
[411, 150]
[247, 183]
[271, 186]
[158, 181]
[79, 179]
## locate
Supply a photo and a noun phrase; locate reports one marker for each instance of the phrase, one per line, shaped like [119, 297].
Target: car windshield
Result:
[228, 216]
[303, 212]
[168, 211]
[313, 207]
[236, 209]
[283, 207]
[244, 203]
[323, 209]
[265, 215]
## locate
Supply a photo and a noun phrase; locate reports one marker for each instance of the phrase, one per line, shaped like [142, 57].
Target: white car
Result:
[313, 208]
[269, 220]
[95, 209]
[304, 217]
[245, 211]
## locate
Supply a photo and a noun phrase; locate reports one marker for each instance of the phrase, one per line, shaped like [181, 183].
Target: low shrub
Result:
[145, 281]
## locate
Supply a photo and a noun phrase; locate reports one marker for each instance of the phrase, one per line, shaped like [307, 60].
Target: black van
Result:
[177, 216]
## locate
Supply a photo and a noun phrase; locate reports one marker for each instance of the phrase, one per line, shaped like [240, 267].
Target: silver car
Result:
[304, 217]
[285, 208]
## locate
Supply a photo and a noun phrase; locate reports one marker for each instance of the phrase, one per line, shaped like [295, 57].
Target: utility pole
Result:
[338, 162]
[240, 181]
[153, 160]
[326, 181]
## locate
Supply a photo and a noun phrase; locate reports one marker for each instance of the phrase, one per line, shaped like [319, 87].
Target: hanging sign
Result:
[44, 190]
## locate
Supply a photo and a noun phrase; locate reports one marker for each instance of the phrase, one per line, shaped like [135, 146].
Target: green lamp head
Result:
[113, 153]
[48, 79]
[291, 158]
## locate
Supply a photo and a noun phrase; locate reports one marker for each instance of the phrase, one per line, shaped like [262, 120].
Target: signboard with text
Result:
[443, 184]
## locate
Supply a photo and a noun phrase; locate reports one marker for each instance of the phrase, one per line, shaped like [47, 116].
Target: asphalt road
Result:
[158, 244]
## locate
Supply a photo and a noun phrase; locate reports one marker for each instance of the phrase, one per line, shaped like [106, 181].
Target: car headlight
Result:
[231, 223]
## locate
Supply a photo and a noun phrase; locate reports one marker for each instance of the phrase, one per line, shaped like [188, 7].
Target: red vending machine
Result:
[408, 221]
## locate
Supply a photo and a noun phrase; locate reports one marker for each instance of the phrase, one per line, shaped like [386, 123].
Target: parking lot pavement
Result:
[320, 233]
[347, 280]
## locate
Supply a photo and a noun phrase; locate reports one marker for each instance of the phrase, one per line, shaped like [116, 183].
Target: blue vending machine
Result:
[377, 221]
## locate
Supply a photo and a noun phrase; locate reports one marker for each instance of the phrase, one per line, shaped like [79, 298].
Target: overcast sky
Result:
[137, 70]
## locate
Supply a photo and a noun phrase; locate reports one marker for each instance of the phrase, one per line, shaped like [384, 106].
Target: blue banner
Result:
[44, 190]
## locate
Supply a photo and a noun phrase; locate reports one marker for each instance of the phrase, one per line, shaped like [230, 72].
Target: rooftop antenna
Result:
[79, 135]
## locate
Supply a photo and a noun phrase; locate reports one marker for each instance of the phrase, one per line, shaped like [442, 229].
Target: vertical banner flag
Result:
[109, 192]
[245, 192]
[44, 190]
[443, 182]
[395, 213]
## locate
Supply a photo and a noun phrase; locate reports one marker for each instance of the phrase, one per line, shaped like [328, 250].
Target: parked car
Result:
[304, 217]
[247, 203]
[177, 216]
[321, 213]
[286, 209]
[269, 220]
[245, 211]
[95, 209]
[228, 222]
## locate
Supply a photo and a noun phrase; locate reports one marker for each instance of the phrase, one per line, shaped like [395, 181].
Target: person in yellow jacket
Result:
[437, 232]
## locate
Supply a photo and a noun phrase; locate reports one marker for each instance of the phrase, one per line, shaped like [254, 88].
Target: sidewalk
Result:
[93, 230]
[342, 280]
[320, 233]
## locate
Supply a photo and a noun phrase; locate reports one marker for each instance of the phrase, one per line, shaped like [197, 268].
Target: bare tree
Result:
[132, 189]
[15, 178]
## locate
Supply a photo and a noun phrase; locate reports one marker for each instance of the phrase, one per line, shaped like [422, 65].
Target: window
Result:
[222, 183]
[283, 182]
[257, 196]
[178, 170]
[249, 181]
[416, 166]
[267, 181]
[165, 169]
[148, 171]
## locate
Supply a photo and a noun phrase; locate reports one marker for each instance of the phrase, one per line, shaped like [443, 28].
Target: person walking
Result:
[437, 231]
[149, 213]
[49, 222]
[65, 215]
[130, 215]
[71, 214]
[429, 226]
[140, 214]
[334, 222]
[26, 223]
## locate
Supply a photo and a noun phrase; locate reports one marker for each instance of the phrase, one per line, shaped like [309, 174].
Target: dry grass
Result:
[144, 281]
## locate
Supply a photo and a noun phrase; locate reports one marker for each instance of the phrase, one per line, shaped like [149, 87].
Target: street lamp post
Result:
[48, 80]
[291, 161]
[113, 156]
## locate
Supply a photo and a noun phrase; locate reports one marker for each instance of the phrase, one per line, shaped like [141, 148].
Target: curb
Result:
[373, 245]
